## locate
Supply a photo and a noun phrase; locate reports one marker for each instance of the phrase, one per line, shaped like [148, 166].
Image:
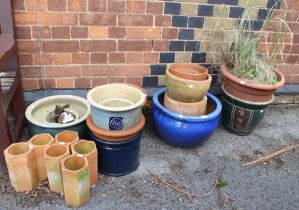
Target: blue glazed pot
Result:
[185, 130]
[118, 158]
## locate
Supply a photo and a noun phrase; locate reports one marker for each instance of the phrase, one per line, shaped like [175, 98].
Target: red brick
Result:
[28, 46]
[133, 70]
[25, 18]
[23, 32]
[116, 32]
[61, 46]
[134, 57]
[80, 58]
[153, 33]
[291, 59]
[97, 5]
[154, 7]
[291, 16]
[77, 5]
[135, 33]
[31, 72]
[116, 6]
[65, 83]
[62, 58]
[160, 45]
[26, 59]
[96, 58]
[135, 80]
[47, 83]
[60, 32]
[98, 32]
[96, 81]
[30, 84]
[170, 33]
[135, 20]
[43, 59]
[63, 71]
[116, 57]
[150, 57]
[58, 18]
[295, 49]
[98, 45]
[99, 70]
[292, 78]
[162, 20]
[105, 19]
[41, 32]
[18, 5]
[79, 32]
[32, 5]
[288, 68]
[128, 45]
[117, 79]
[56, 5]
[82, 82]
[135, 6]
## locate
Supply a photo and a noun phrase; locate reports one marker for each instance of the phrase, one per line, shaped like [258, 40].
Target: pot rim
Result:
[140, 102]
[32, 106]
[192, 82]
[43, 145]
[176, 67]
[6, 151]
[191, 104]
[189, 118]
[72, 156]
[253, 85]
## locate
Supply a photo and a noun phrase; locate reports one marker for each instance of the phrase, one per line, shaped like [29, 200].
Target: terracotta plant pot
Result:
[67, 137]
[75, 180]
[115, 136]
[195, 109]
[187, 91]
[89, 150]
[190, 71]
[53, 156]
[116, 106]
[21, 166]
[249, 91]
[40, 142]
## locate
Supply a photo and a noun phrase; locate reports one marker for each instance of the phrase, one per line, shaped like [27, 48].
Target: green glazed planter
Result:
[240, 117]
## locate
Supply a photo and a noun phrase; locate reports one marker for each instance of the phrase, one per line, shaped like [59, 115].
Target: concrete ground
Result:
[273, 185]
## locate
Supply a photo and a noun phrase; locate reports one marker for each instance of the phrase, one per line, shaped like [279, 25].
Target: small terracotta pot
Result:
[67, 137]
[115, 136]
[40, 142]
[195, 109]
[21, 166]
[89, 150]
[75, 180]
[53, 156]
[189, 71]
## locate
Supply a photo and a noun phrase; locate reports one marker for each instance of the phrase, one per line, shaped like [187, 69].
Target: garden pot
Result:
[195, 109]
[190, 71]
[116, 106]
[240, 117]
[67, 137]
[39, 143]
[38, 111]
[185, 130]
[21, 166]
[184, 90]
[89, 150]
[53, 156]
[118, 158]
[76, 183]
[115, 136]
[249, 91]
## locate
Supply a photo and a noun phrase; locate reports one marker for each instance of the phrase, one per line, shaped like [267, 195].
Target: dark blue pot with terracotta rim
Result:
[118, 158]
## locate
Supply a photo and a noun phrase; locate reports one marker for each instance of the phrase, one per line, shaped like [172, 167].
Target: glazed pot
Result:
[115, 136]
[37, 115]
[190, 71]
[184, 130]
[21, 166]
[89, 150]
[67, 137]
[39, 143]
[240, 117]
[118, 158]
[76, 183]
[195, 109]
[53, 156]
[249, 91]
[184, 90]
[116, 106]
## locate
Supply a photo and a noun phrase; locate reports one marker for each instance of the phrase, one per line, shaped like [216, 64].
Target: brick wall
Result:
[84, 43]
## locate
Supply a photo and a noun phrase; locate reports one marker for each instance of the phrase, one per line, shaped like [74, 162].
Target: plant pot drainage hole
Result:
[56, 151]
[84, 147]
[18, 149]
[116, 102]
[74, 163]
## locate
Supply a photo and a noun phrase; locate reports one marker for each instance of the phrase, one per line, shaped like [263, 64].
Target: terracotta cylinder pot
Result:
[195, 109]
[53, 156]
[249, 91]
[40, 142]
[89, 150]
[21, 166]
[190, 71]
[67, 137]
[75, 180]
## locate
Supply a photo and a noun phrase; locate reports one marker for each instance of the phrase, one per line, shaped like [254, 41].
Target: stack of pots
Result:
[116, 125]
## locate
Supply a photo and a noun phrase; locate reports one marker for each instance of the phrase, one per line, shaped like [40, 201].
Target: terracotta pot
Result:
[115, 136]
[187, 91]
[195, 109]
[247, 90]
[190, 71]
[89, 150]
[21, 166]
[40, 142]
[75, 180]
[67, 137]
[53, 156]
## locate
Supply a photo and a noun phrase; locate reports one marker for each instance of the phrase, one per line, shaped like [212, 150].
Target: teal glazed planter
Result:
[240, 117]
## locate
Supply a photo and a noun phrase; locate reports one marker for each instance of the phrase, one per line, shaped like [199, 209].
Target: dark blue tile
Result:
[186, 34]
[215, 79]
[257, 25]
[167, 57]
[176, 45]
[231, 2]
[192, 46]
[150, 81]
[199, 57]
[274, 4]
[205, 10]
[263, 14]
[158, 69]
[172, 8]
[179, 21]
[196, 22]
[236, 12]
[215, 1]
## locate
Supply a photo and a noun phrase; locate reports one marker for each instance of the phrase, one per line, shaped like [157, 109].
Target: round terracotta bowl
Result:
[189, 71]
[195, 109]
[115, 136]
[188, 91]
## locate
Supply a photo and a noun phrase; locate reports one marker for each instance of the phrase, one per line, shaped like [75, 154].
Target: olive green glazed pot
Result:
[240, 117]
